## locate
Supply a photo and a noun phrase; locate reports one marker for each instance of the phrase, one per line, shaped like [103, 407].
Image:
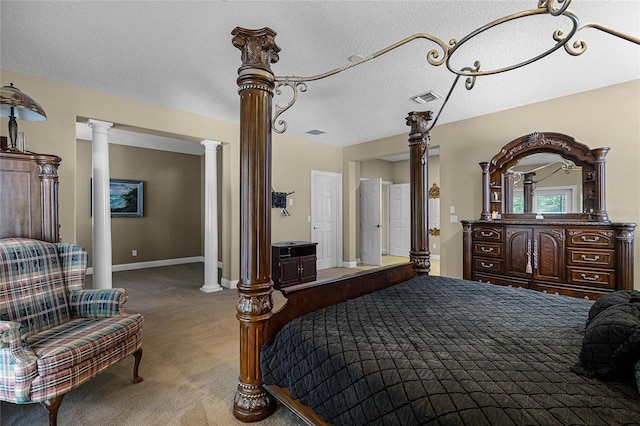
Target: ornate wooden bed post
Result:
[418, 151]
[255, 303]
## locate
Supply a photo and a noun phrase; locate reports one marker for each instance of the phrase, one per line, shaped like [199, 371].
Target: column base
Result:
[210, 289]
[252, 403]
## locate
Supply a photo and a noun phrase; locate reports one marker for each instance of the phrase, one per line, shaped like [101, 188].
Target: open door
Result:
[370, 221]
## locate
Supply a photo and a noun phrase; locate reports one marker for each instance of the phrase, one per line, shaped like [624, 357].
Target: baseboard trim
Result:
[350, 264]
[435, 256]
[230, 284]
[154, 264]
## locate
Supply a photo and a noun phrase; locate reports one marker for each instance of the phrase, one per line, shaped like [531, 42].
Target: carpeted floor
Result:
[190, 363]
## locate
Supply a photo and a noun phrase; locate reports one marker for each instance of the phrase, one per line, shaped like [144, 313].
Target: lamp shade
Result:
[19, 105]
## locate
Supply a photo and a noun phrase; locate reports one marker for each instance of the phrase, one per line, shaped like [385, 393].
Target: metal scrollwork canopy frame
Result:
[437, 58]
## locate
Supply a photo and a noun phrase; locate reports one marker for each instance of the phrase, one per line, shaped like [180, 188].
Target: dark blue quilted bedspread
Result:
[444, 351]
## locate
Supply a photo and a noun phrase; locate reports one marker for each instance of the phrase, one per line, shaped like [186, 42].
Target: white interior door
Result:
[370, 221]
[326, 218]
[399, 220]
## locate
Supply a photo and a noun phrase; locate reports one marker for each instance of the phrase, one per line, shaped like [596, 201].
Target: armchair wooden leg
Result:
[138, 356]
[52, 405]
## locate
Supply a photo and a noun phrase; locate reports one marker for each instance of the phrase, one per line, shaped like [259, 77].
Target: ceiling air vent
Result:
[315, 132]
[426, 97]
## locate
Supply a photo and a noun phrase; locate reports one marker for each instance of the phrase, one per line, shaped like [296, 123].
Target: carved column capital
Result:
[48, 167]
[419, 123]
[259, 51]
[625, 233]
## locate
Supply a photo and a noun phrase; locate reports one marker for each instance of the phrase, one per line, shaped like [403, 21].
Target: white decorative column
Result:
[210, 217]
[102, 277]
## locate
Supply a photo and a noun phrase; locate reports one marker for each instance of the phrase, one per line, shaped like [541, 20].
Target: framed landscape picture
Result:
[126, 197]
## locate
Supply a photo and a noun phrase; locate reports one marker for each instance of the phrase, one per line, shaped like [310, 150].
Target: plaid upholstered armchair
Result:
[55, 335]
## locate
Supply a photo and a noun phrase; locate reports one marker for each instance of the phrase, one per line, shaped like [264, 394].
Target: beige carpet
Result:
[190, 362]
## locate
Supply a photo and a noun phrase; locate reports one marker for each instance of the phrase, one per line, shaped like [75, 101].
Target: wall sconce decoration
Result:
[17, 105]
[434, 210]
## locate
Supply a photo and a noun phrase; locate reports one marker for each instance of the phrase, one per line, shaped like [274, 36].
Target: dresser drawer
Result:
[592, 277]
[594, 238]
[500, 280]
[482, 248]
[581, 292]
[591, 258]
[487, 265]
[487, 233]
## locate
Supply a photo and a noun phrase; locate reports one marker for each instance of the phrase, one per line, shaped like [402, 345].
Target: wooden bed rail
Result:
[308, 297]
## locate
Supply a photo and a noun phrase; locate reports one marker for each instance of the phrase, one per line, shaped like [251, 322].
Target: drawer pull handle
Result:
[486, 249]
[590, 259]
[486, 234]
[590, 240]
[590, 278]
[486, 265]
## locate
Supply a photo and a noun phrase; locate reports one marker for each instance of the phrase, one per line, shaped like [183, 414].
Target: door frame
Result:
[337, 180]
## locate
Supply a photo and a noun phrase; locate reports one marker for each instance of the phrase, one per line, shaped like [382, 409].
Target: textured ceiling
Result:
[179, 54]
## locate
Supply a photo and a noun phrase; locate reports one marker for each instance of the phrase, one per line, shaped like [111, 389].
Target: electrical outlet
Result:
[134, 252]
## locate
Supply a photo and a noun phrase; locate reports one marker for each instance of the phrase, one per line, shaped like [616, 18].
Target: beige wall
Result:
[603, 117]
[172, 224]
[293, 161]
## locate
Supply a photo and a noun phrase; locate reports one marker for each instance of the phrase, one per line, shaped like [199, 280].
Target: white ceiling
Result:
[179, 54]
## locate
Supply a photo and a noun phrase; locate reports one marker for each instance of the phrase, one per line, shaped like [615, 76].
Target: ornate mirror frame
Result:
[497, 180]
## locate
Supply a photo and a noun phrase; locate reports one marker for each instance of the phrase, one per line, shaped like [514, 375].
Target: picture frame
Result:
[126, 198]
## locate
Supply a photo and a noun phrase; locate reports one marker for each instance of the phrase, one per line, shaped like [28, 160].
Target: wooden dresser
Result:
[544, 223]
[581, 259]
[29, 195]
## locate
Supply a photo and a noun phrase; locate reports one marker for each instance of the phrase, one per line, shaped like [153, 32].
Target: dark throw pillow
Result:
[611, 344]
[616, 298]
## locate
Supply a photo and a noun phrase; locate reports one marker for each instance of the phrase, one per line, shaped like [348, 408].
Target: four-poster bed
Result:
[398, 286]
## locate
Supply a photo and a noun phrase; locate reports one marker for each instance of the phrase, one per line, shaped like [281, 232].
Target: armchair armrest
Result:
[97, 303]
[18, 363]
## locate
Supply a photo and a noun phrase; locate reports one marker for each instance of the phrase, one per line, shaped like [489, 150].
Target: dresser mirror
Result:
[553, 184]
[545, 175]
